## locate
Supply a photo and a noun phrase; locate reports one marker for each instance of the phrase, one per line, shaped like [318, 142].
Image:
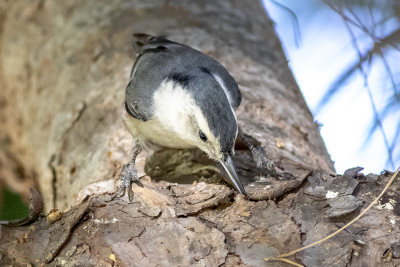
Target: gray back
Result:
[160, 59]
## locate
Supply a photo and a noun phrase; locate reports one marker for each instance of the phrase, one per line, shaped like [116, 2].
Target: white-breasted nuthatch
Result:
[178, 97]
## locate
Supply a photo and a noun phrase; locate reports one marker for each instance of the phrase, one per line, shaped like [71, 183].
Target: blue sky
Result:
[326, 50]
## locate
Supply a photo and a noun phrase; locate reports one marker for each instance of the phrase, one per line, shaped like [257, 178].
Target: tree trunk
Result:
[64, 67]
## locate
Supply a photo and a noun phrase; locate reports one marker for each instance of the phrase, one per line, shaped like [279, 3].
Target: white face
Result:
[177, 111]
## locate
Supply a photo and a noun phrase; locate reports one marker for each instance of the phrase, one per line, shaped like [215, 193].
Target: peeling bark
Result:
[208, 225]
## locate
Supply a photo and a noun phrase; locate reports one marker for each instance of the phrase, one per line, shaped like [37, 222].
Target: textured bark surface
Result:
[208, 225]
[64, 66]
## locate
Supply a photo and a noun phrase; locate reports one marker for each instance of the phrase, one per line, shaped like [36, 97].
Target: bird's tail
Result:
[143, 39]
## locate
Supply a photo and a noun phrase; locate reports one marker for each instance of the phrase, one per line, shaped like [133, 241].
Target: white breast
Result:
[153, 131]
[169, 125]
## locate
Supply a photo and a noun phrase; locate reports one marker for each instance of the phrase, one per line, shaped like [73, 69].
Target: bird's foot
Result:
[263, 163]
[127, 176]
[267, 166]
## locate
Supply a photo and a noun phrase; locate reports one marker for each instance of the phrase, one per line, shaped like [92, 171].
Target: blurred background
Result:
[345, 58]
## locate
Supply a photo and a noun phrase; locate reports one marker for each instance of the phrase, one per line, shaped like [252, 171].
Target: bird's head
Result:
[200, 114]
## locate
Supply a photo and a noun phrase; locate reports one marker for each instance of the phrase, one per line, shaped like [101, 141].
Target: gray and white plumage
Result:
[176, 93]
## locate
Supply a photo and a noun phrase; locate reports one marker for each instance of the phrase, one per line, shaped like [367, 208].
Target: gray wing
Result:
[223, 78]
[146, 76]
[160, 59]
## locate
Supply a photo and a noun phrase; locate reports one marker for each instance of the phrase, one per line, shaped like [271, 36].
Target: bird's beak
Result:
[230, 169]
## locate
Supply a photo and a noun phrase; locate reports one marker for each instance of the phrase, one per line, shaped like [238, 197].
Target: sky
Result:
[325, 50]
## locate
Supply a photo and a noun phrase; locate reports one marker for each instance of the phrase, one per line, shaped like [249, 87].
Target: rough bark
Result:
[207, 225]
[63, 69]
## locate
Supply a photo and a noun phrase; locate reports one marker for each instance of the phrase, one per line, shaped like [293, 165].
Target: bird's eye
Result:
[202, 136]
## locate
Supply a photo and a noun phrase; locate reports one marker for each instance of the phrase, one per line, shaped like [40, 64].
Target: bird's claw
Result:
[127, 177]
[268, 166]
[121, 192]
[262, 161]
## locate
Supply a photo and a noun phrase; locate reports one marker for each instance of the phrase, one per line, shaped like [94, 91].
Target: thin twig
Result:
[295, 22]
[389, 71]
[284, 260]
[389, 183]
